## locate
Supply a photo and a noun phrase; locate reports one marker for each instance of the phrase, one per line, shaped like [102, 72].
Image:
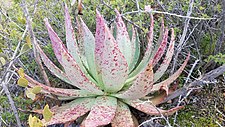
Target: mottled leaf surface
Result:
[165, 84]
[166, 61]
[73, 71]
[111, 64]
[149, 108]
[123, 39]
[141, 86]
[102, 112]
[71, 42]
[57, 91]
[136, 44]
[123, 117]
[89, 48]
[145, 60]
[71, 111]
[52, 67]
[159, 53]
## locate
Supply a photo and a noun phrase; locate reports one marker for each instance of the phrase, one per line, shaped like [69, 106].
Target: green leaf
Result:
[25, 48]
[47, 114]
[29, 94]
[22, 82]
[36, 89]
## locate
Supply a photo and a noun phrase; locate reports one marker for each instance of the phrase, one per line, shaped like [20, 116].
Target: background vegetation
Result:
[204, 39]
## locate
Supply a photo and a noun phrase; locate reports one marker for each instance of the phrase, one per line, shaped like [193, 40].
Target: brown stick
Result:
[34, 42]
[208, 77]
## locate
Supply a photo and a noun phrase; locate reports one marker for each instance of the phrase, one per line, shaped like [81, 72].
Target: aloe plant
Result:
[109, 72]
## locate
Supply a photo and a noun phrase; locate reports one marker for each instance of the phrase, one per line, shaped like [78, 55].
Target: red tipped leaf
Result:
[73, 71]
[148, 108]
[123, 39]
[159, 53]
[166, 61]
[165, 84]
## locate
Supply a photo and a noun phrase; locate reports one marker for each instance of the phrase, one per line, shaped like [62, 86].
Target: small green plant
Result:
[219, 58]
[108, 71]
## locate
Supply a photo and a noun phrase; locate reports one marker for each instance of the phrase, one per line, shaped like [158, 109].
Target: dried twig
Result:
[181, 42]
[205, 79]
[34, 42]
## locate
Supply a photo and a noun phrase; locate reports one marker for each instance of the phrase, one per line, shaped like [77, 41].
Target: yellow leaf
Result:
[28, 41]
[34, 121]
[30, 95]
[2, 60]
[21, 72]
[30, 121]
[47, 114]
[22, 82]
[36, 90]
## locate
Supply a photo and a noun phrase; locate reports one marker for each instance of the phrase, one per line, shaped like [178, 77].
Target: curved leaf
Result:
[165, 84]
[111, 64]
[160, 51]
[123, 39]
[148, 108]
[123, 117]
[57, 91]
[52, 67]
[102, 112]
[162, 30]
[73, 71]
[145, 60]
[136, 44]
[70, 111]
[166, 61]
[89, 48]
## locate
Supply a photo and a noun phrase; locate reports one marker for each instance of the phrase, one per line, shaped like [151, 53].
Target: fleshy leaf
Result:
[148, 108]
[123, 117]
[71, 42]
[141, 86]
[136, 44]
[146, 58]
[47, 114]
[159, 53]
[70, 111]
[89, 48]
[166, 61]
[162, 30]
[73, 47]
[57, 91]
[123, 40]
[22, 82]
[102, 112]
[165, 84]
[111, 64]
[52, 67]
[73, 71]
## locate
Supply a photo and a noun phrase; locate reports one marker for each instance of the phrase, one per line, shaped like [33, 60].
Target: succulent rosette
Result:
[108, 71]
